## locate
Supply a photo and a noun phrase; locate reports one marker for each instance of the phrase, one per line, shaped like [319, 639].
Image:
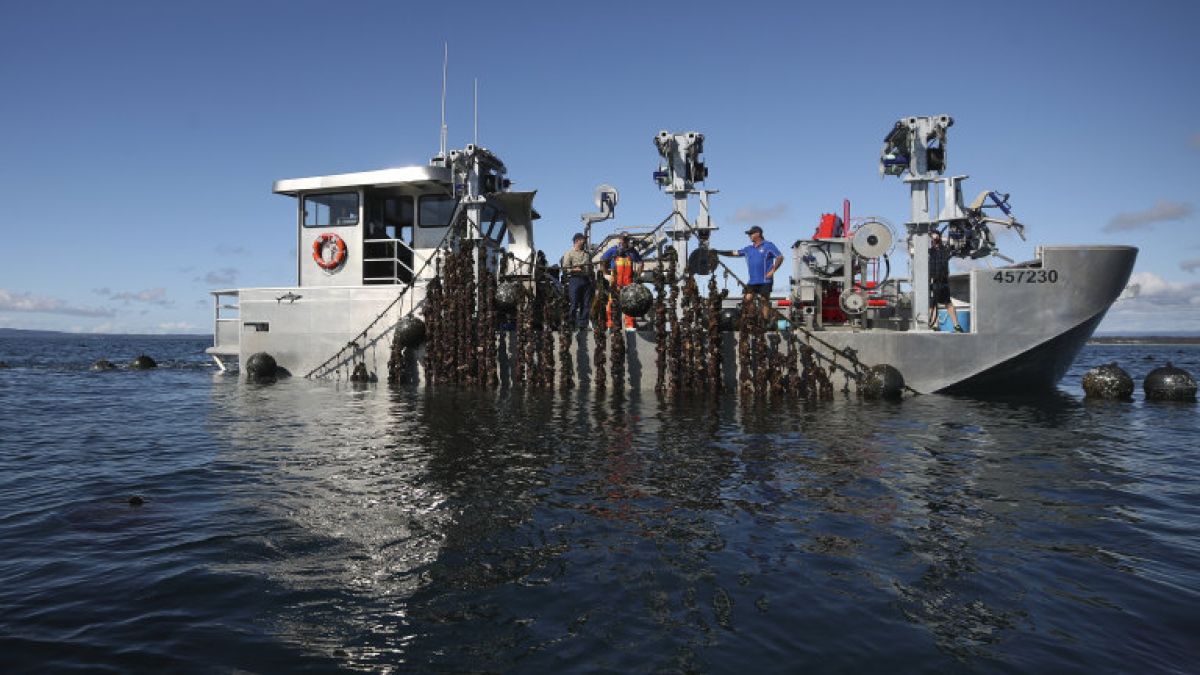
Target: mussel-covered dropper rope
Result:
[848, 354]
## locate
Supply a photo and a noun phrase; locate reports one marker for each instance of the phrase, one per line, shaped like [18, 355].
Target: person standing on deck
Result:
[763, 259]
[939, 281]
[624, 265]
[577, 265]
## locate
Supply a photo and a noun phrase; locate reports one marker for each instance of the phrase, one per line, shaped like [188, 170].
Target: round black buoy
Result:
[508, 295]
[103, 364]
[143, 362]
[360, 373]
[410, 331]
[1108, 382]
[882, 381]
[1169, 383]
[136, 501]
[261, 368]
[636, 300]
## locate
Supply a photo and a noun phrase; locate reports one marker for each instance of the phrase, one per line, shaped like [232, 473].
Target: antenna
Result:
[445, 62]
[476, 141]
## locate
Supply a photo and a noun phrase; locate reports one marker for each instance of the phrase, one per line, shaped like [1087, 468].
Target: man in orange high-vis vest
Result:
[624, 267]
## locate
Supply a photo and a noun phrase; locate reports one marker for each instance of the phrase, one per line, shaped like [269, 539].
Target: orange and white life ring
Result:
[339, 254]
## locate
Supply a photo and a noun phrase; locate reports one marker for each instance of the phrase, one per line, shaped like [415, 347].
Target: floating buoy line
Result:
[1166, 383]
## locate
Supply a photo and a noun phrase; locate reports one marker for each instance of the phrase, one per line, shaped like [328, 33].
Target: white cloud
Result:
[226, 276]
[1150, 285]
[1156, 304]
[151, 296]
[176, 327]
[26, 302]
[753, 215]
[1163, 211]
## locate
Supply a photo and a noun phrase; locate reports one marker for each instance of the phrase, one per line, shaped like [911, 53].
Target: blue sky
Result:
[139, 140]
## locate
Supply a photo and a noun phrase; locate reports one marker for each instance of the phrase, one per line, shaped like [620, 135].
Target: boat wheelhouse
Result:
[367, 245]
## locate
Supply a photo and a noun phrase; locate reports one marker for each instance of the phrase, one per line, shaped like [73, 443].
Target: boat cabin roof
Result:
[420, 178]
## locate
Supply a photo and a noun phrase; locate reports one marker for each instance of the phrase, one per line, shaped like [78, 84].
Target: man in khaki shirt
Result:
[577, 265]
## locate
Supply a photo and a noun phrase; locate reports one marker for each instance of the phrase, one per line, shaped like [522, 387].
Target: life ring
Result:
[339, 255]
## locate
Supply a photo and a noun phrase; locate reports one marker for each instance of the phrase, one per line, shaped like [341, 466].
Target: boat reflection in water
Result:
[348, 516]
[468, 530]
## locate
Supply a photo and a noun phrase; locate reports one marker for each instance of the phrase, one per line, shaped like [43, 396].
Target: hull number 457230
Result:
[1026, 276]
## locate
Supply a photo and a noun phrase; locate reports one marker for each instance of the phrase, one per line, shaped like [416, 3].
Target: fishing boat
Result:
[373, 245]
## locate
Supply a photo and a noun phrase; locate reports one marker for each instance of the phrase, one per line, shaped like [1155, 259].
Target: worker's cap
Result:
[578, 237]
[624, 235]
[754, 229]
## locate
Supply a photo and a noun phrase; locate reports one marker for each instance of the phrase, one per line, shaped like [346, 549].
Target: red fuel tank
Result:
[831, 226]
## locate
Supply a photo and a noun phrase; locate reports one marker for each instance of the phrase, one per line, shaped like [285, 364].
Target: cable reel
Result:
[873, 239]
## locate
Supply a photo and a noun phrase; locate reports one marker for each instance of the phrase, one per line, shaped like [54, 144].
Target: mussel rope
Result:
[849, 354]
[545, 276]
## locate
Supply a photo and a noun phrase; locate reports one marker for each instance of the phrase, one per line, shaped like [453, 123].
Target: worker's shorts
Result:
[761, 290]
[940, 293]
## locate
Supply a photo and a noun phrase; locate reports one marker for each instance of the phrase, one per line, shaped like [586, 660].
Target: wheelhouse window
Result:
[399, 213]
[435, 211]
[389, 217]
[331, 209]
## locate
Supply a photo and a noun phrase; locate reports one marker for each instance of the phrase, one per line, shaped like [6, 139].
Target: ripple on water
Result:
[306, 526]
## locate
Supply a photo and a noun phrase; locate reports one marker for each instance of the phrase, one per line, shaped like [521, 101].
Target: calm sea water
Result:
[310, 527]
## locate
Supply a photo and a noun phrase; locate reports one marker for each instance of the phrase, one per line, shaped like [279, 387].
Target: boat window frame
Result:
[420, 210]
[304, 211]
[393, 228]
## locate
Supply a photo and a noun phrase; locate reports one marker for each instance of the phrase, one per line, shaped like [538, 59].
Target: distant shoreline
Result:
[26, 333]
[1145, 340]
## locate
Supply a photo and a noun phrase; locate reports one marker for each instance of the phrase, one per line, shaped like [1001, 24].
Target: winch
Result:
[840, 275]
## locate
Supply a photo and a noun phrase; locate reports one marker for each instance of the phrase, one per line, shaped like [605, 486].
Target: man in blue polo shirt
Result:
[763, 259]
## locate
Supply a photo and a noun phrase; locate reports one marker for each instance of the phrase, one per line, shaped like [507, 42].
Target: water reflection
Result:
[494, 530]
[347, 516]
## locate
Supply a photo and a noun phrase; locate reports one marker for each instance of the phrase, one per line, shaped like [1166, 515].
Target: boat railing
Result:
[388, 261]
[225, 321]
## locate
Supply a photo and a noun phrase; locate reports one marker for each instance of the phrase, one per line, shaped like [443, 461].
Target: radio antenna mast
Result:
[445, 61]
[476, 141]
